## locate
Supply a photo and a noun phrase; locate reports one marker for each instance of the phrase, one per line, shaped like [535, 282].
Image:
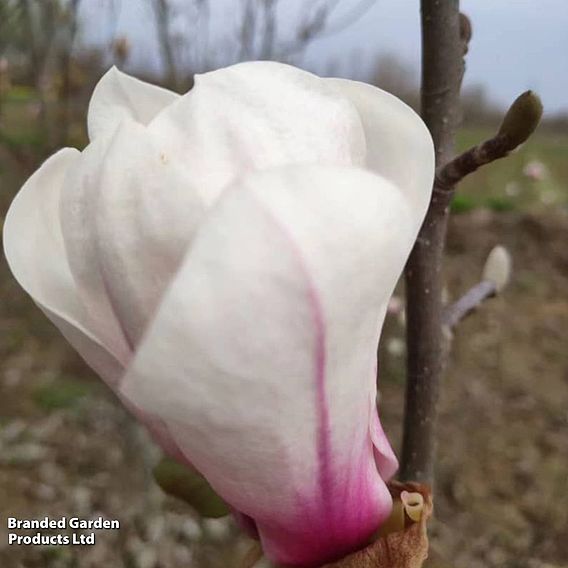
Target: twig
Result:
[317, 26]
[471, 300]
[357, 12]
[489, 151]
[163, 16]
[496, 276]
[519, 123]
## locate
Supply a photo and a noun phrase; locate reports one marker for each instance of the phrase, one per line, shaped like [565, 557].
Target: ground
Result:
[67, 447]
[502, 466]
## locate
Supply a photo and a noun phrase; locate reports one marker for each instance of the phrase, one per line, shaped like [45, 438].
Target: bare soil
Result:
[68, 449]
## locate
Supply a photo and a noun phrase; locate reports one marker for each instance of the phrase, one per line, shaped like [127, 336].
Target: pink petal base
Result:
[322, 532]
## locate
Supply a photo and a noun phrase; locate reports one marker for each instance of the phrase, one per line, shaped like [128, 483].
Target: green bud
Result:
[189, 486]
[522, 118]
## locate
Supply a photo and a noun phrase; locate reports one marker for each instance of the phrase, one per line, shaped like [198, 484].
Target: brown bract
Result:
[407, 548]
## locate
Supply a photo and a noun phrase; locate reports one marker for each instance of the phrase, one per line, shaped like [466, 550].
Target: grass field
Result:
[502, 185]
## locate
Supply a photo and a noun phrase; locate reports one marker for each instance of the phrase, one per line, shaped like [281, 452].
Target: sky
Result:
[517, 44]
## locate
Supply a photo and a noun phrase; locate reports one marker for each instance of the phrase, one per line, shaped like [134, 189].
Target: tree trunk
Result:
[442, 71]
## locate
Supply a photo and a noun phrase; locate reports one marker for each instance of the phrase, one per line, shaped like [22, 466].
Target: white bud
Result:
[498, 267]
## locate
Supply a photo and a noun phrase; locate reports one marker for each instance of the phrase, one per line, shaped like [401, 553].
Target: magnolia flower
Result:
[224, 261]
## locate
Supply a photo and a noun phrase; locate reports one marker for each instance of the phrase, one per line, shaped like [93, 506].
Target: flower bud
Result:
[521, 119]
[498, 267]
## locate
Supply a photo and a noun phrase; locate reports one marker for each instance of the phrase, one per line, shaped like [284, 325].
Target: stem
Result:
[519, 123]
[469, 302]
[442, 71]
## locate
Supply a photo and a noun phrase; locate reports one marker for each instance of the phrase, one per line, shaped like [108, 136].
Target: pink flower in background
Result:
[224, 261]
[535, 170]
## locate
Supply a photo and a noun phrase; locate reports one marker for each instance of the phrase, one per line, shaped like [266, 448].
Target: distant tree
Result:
[189, 44]
[398, 77]
[477, 107]
[11, 36]
[37, 39]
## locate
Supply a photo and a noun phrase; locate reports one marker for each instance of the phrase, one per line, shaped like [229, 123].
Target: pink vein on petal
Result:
[323, 433]
[322, 410]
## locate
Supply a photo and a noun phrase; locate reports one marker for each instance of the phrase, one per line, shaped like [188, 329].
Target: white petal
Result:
[262, 355]
[258, 115]
[399, 146]
[118, 96]
[34, 249]
[78, 201]
[98, 356]
[385, 458]
[146, 213]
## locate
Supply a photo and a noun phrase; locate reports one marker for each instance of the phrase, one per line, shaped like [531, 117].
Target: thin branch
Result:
[349, 19]
[496, 276]
[468, 303]
[114, 10]
[309, 30]
[317, 26]
[452, 173]
[247, 30]
[519, 123]
[270, 31]
[203, 25]
[163, 16]
[66, 60]
[32, 40]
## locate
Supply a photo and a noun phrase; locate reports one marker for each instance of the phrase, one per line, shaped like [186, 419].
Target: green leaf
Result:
[189, 486]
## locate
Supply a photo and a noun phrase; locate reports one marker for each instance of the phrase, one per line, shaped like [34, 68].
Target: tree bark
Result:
[442, 71]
